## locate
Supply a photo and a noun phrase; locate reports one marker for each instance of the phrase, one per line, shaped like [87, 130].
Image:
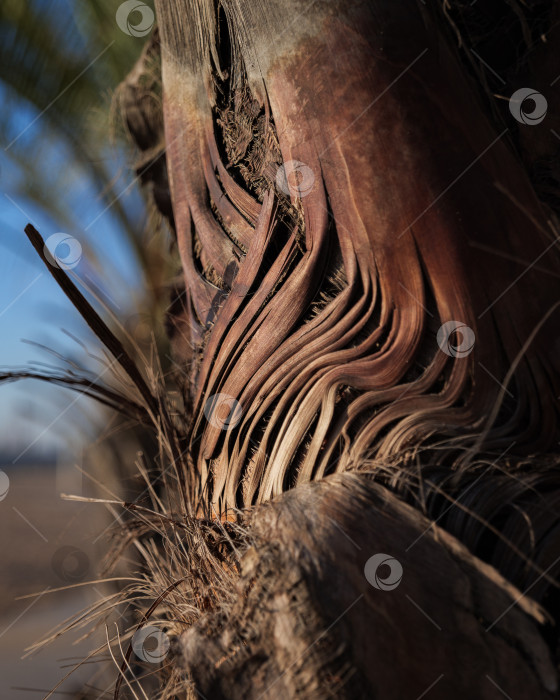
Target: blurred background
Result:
[68, 170]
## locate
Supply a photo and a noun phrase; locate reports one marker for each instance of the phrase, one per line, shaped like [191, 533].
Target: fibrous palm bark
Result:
[343, 200]
[370, 288]
[316, 306]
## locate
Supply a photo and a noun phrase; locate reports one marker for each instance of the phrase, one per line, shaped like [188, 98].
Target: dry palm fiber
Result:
[319, 313]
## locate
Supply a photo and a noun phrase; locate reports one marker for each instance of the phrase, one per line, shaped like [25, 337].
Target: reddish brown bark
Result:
[315, 308]
[410, 180]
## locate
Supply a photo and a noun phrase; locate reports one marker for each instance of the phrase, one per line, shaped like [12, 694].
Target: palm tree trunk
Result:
[318, 311]
[370, 286]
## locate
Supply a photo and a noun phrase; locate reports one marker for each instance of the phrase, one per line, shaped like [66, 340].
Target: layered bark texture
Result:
[339, 196]
[368, 311]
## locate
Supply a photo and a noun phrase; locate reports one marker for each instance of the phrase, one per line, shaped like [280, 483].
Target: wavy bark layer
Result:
[318, 310]
[309, 329]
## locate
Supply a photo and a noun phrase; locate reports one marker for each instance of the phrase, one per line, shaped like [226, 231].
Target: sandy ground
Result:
[45, 543]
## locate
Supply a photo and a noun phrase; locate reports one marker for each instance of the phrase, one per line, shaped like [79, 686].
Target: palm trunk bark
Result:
[308, 624]
[318, 311]
[341, 195]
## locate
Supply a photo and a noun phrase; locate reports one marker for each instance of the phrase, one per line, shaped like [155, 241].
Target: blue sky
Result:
[32, 307]
[42, 181]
